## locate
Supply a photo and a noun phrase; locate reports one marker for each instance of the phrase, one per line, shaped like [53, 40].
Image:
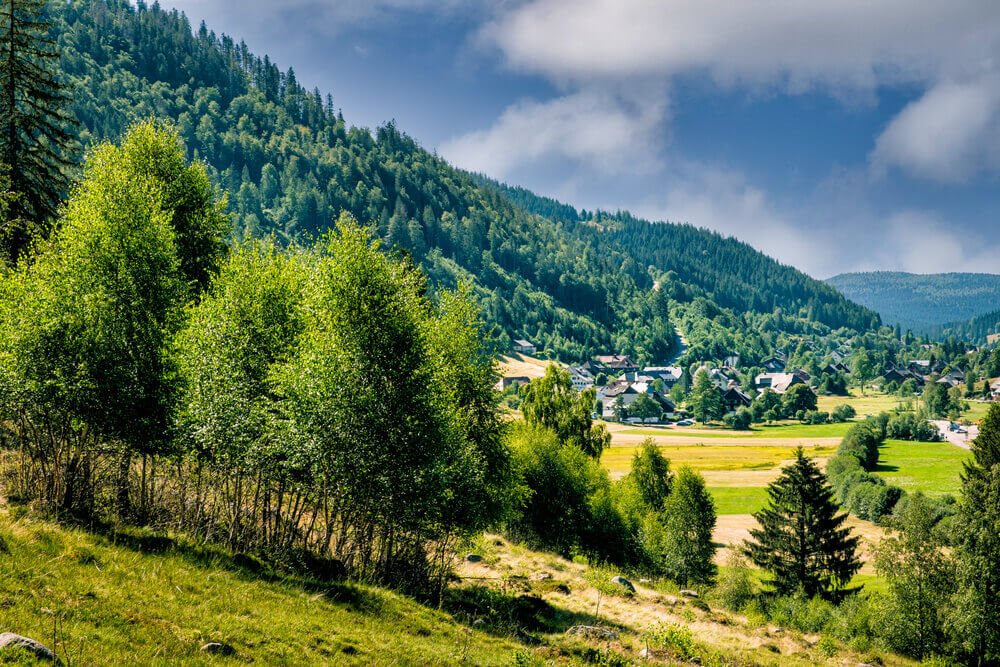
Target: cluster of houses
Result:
[620, 381]
[923, 371]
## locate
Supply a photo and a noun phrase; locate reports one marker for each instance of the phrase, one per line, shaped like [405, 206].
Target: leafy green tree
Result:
[550, 401]
[864, 368]
[651, 474]
[801, 539]
[798, 398]
[975, 621]
[86, 333]
[688, 521]
[705, 400]
[35, 139]
[920, 579]
[644, 407]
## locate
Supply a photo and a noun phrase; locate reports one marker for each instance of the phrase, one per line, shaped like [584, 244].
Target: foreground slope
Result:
[922, 303]
[575, 284]
[143, 599]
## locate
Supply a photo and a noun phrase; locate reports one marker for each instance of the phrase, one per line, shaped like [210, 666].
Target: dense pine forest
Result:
[926, 304]
[575, 283]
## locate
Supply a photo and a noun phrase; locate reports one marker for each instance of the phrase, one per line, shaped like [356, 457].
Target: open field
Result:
[784, 429]
[521, 365]
[738, 499]
[718, 458]
[871, 403]
[931, 467]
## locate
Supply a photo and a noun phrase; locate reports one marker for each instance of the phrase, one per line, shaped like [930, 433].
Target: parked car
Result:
[685, 422]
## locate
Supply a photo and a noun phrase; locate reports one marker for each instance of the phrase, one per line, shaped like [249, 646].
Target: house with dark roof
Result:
[901, 375]
[773, 364]
[733, 398]
[780, 382]
[618, 363]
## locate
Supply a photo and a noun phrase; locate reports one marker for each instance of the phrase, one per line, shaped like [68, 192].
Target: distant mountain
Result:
[922, 302]
[573, 282]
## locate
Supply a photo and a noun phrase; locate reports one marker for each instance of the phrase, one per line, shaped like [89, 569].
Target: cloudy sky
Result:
[836, 136]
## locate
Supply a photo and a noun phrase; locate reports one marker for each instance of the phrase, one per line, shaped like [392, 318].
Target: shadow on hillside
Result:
[300, 569]
[884, 467]
[508, 614]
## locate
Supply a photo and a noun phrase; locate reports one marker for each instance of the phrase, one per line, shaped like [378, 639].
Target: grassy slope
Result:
[119, 604]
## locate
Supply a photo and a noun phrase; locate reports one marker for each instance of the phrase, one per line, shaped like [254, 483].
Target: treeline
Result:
[308, 403]
[291, 165]
[975, 330]
[857, 488]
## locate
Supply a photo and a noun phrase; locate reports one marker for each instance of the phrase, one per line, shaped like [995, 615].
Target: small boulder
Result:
[218, 648]
[473, 558]
[543, 576]
[689, 593]
[10, 640]
[624, 583]
[592, 632]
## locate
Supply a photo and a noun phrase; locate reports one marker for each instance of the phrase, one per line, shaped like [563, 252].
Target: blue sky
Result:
[851, 135]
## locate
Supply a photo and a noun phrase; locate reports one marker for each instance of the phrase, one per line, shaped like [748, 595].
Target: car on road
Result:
[685, 422]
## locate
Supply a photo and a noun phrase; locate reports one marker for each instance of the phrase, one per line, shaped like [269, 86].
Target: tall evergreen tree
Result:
[976, 618]
[802, 540]
[35, 143]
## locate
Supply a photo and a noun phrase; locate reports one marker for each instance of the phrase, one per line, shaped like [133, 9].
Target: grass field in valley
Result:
[931, 467]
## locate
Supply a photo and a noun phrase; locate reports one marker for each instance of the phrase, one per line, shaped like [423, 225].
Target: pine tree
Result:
[976, 619]
[801, 540]
[35, 143]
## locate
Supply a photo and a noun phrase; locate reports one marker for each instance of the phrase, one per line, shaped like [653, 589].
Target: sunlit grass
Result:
[713, 457]
[931, 467]
[738, 499]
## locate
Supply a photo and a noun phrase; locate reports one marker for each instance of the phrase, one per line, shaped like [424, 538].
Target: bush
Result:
[737, 586]
[843, 413]
[816, 417]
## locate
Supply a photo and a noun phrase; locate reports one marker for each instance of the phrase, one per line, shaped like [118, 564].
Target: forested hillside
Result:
[576, 283]
[922, 303]
[975, 330]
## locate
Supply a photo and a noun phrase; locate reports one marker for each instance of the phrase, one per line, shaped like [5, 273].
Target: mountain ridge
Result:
[291, 164]
[921, 302]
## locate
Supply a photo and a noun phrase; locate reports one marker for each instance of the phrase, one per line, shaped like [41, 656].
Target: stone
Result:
[689, 593]
[10, 640]
[592, 632]
[543, 576]
[624, 583]
[218, 648]
[473, 558]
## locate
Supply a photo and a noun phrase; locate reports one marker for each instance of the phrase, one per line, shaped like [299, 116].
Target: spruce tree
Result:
[802, 540]
[35, 142]
[975, 622]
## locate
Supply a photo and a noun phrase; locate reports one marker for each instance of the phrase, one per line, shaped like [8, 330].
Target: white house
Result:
[524, 346]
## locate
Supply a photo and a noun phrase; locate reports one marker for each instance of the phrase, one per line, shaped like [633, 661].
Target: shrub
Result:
[843, 413]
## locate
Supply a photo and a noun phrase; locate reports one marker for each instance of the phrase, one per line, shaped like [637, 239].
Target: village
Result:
[626, 391]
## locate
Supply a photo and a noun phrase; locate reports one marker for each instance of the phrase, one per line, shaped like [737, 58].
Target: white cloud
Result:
[950, 134]
[849, 42]
[725, 201]
[921, 242]
[604, 130]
